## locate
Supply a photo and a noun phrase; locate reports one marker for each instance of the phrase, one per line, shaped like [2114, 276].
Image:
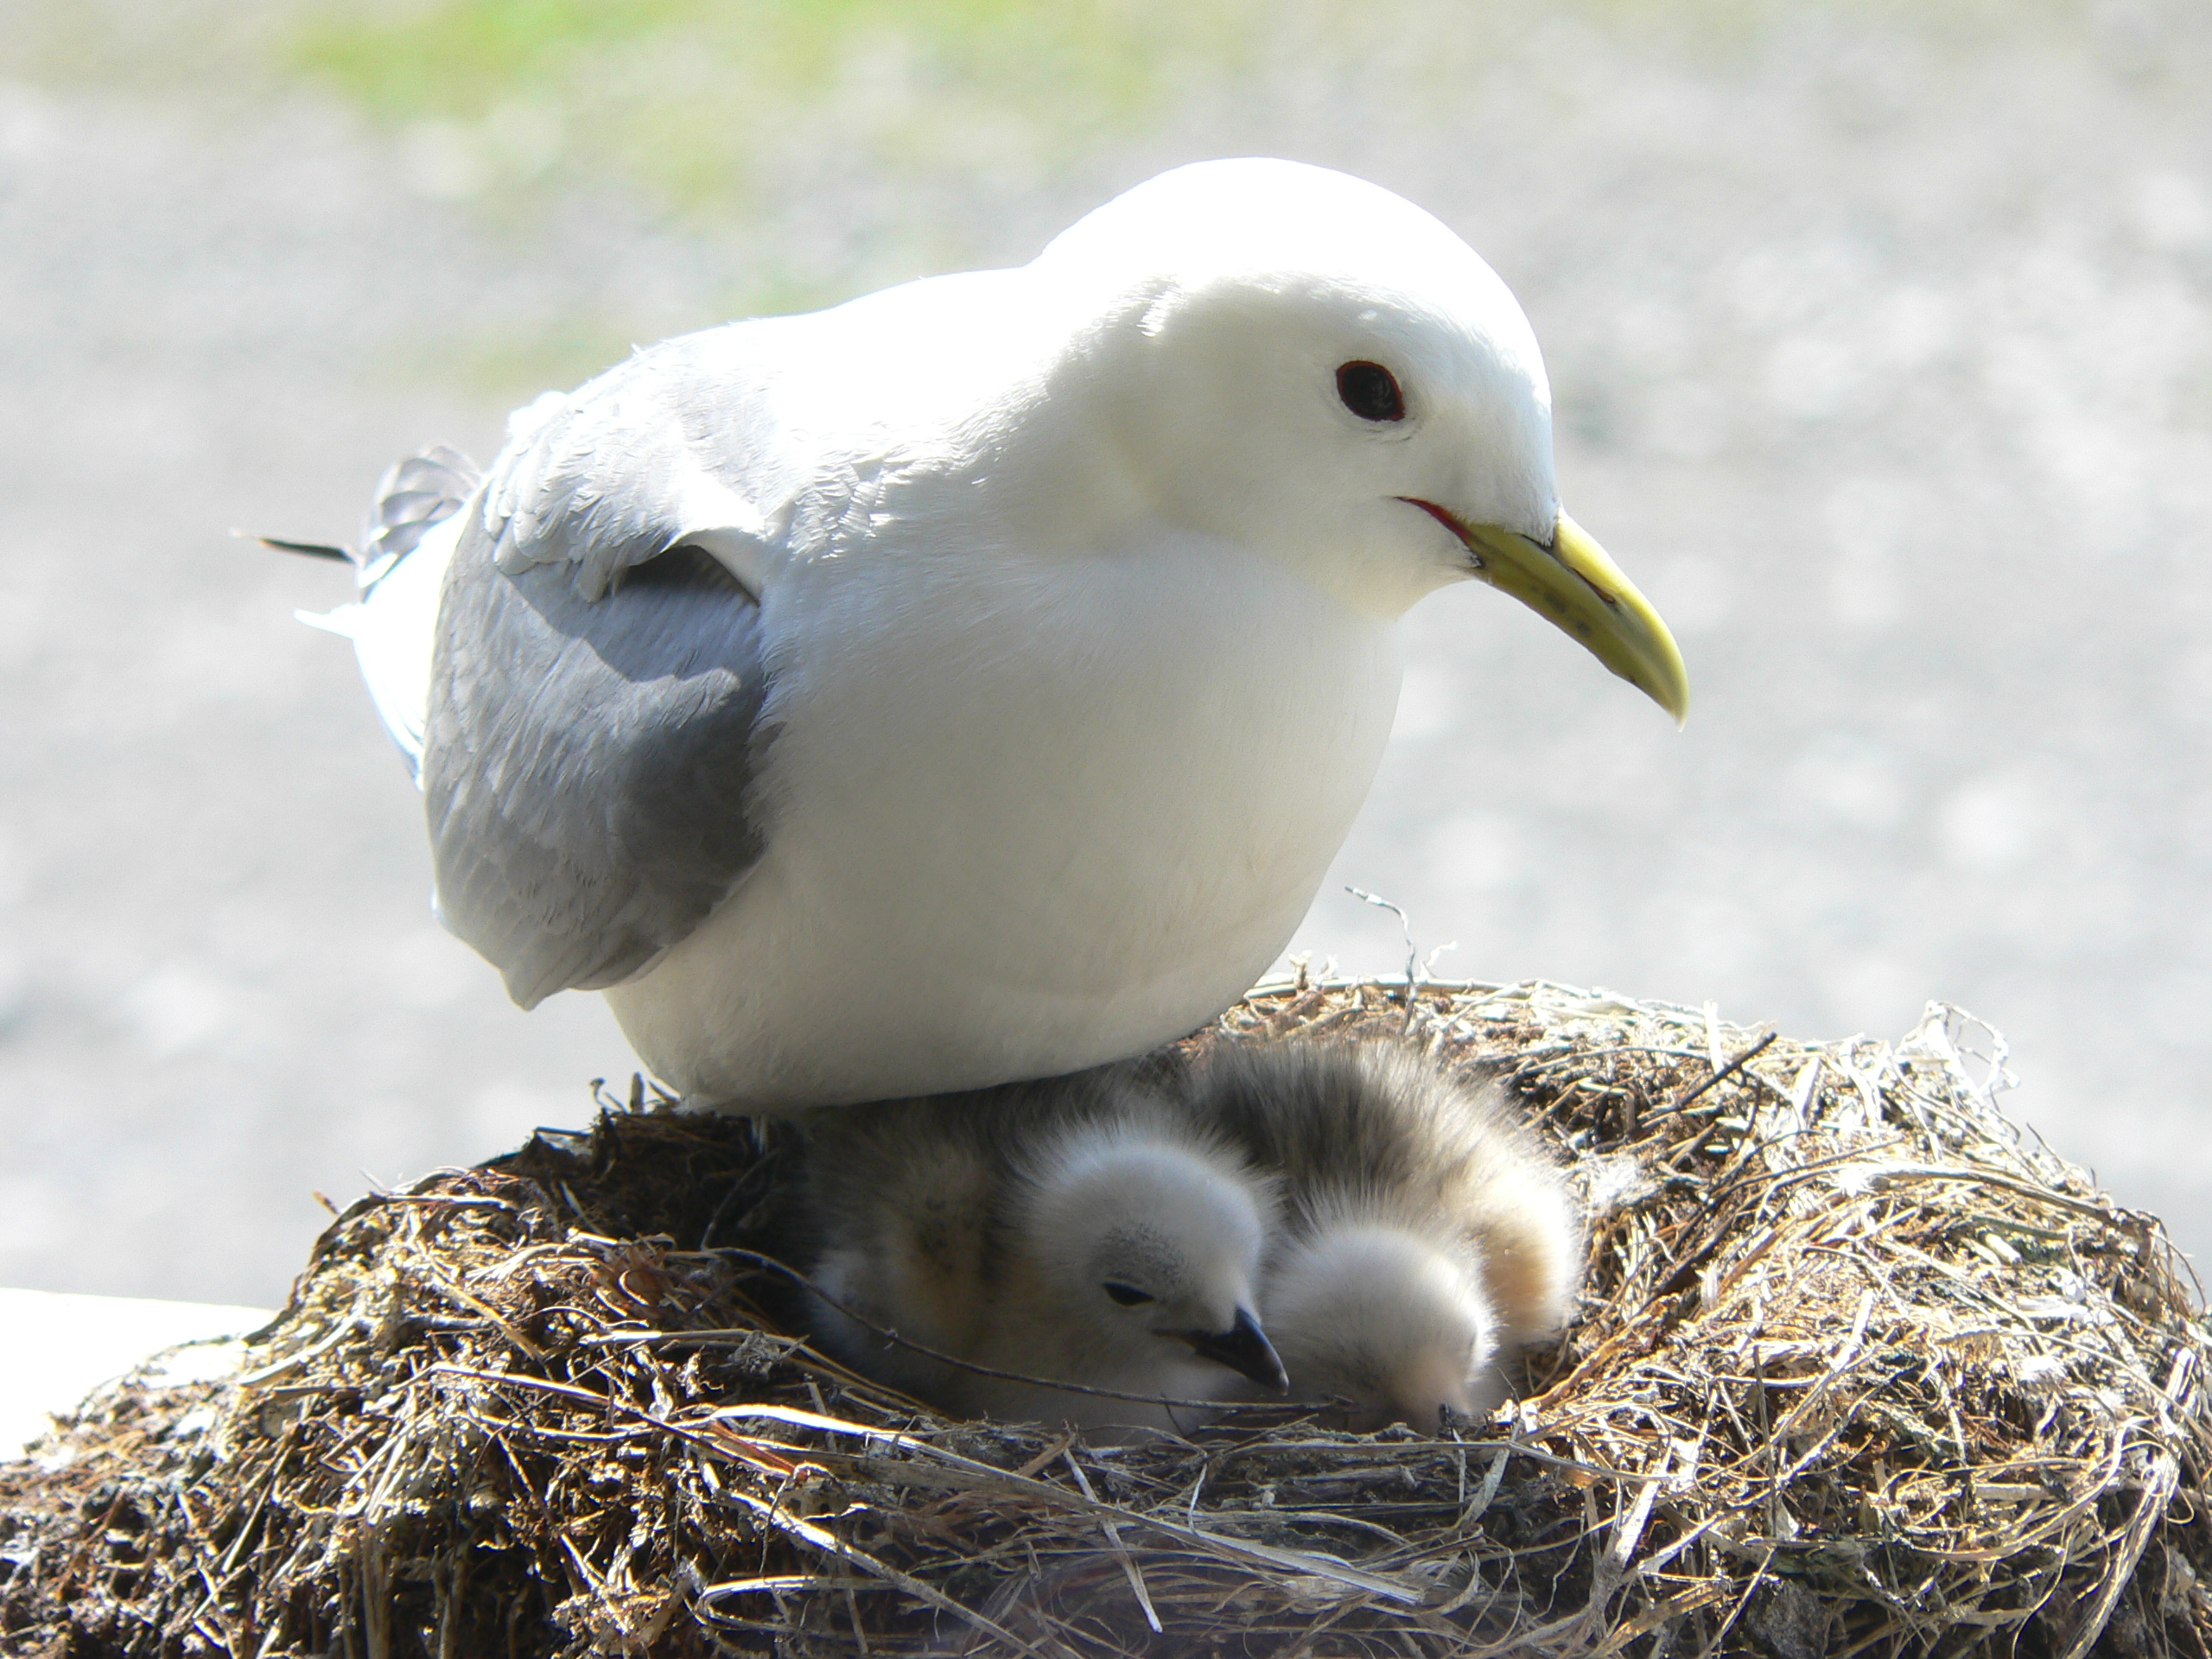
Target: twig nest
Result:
[1859, 1367]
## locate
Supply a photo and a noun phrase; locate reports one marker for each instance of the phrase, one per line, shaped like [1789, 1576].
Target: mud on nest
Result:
[1860, 1369]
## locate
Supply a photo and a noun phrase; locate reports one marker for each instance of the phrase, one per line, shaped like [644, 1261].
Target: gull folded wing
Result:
[597, 686]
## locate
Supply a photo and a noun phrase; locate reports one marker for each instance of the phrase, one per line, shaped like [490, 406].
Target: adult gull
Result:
[972, 681]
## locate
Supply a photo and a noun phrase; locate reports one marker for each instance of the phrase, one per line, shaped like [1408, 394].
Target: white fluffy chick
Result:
[1075, 1230]
[1425, 1234]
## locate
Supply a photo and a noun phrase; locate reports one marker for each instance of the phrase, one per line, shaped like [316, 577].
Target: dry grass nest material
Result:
[1860, 1369]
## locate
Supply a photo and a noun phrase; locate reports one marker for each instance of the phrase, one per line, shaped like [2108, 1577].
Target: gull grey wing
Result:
[589, 761]
[596, 682]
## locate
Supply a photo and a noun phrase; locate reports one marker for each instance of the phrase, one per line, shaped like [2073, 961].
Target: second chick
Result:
[1426, 1232]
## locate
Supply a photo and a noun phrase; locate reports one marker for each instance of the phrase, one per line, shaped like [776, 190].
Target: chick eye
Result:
[1127, 1295]
[1371, 391]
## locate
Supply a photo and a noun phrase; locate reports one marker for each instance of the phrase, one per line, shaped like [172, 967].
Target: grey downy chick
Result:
[1077, 1229]
[1426, 1234]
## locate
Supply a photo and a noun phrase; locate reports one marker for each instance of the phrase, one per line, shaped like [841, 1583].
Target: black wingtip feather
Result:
[310, 550]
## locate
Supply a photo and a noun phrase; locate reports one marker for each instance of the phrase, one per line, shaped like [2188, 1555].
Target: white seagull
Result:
[972, 681]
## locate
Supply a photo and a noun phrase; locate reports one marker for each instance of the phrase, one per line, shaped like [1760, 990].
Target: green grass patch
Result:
[693, 99]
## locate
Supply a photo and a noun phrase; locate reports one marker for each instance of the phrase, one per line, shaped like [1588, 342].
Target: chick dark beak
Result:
[1243, 1348]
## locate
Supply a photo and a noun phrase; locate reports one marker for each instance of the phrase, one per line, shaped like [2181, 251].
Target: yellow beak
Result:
[1573, 585]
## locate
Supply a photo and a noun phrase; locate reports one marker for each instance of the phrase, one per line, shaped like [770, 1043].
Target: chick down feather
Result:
[1426, 1233]
[1078, 1230]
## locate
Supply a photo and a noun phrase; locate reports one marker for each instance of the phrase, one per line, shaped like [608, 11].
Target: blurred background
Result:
[1881, 344]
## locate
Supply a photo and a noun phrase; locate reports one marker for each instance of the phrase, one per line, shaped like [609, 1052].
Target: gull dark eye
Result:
[1127, 1295]
[1371, 391]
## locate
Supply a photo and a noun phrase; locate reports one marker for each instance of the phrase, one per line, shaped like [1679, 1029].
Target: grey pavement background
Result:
[1882, 350]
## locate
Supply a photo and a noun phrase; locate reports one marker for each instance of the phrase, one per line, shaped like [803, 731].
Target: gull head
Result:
[1387, 1321]
[1149, 1250]
[1307, 367]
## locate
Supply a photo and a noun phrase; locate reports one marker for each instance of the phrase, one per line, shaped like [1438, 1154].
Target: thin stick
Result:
[1129, 1568]
[1725, 1071]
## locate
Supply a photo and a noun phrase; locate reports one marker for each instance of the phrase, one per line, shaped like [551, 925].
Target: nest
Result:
[1860, 1369]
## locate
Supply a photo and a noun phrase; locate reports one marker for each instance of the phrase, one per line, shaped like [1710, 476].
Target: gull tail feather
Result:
[393, 624]
[413, 496]
[345, 621]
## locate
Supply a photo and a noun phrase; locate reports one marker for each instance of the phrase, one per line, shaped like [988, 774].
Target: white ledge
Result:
[60, 1348]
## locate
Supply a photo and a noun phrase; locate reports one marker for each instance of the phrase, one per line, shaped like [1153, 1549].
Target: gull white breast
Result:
[1425, 1235]
[1077, 1231]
